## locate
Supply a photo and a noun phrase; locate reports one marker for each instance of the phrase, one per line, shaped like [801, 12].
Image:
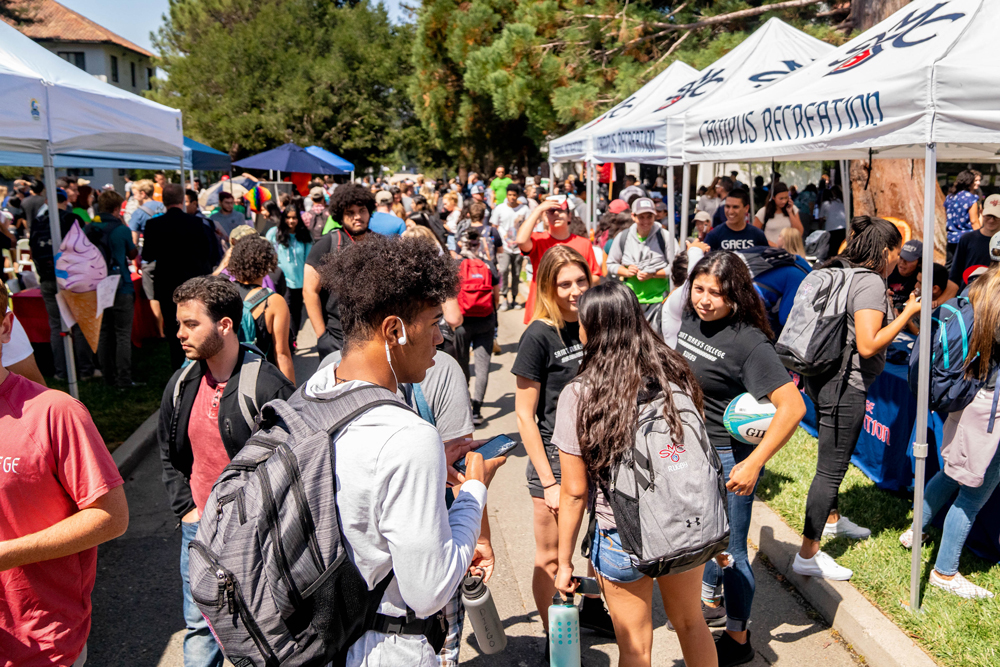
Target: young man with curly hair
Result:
[351, 205]
[392, 467]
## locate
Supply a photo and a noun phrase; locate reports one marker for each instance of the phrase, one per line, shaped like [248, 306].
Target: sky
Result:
[135, 20]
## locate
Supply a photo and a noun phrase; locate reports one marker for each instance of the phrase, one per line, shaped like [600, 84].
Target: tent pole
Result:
[924, 379]
[352, 175]
[671, 208]
[56, 230]
[686, 185]
[183, 184]
[845, 185]
[753, 209]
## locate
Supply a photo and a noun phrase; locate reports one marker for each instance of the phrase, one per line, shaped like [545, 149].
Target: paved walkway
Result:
[137, 600]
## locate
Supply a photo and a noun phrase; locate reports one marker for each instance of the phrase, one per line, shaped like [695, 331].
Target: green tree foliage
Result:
[250, 75]
[494, 78]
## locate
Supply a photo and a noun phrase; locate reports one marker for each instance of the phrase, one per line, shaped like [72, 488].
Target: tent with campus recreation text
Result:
[196, 156]
[574, 146]
[653, 133]
[903, 89]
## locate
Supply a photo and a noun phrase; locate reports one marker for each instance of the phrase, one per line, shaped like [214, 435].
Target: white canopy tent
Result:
[50, 107]
[653, 134]
[902, 89]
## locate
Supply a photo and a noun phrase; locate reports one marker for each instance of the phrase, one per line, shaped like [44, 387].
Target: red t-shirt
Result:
[53, 462]
[542, 241]
[210, 455]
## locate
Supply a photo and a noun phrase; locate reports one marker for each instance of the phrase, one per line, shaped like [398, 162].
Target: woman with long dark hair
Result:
[779, 213]
[548, 357]
[841, 394]
[624, 364]
[726, 338]
[292, 242]
[961, 207]
[970, 451]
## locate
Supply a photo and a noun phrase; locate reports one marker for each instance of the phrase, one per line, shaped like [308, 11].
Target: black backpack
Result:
[102, 239]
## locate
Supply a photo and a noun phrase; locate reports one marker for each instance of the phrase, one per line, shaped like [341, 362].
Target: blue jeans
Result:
[737, 580]
[200, 647]
[610, 560]
[958, 522]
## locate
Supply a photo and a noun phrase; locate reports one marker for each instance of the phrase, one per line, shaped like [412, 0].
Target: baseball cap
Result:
[660, 206]
[82, 181]
[974, 272]
[992, 206]
[995, 247]
[617, 206]
[912, 251]
[643, 205]
[317, 194]
[383, 197]
[703, 216]
[239, 231]
[477, 190]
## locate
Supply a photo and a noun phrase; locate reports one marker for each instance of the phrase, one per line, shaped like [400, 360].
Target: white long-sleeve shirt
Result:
[508, 220]
[391, 475]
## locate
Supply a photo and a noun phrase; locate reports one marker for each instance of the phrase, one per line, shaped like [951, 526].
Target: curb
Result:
[130, 453]
[869, 632]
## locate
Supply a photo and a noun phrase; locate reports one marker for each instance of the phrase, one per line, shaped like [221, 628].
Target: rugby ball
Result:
[747, 420]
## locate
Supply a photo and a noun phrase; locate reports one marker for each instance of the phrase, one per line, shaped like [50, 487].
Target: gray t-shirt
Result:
[446, 392]
[867, 292]
[229, 221]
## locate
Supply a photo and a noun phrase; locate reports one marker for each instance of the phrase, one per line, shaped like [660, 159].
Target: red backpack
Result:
[475, 295]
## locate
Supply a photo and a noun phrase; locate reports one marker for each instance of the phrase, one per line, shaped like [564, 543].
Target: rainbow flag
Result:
[256, 197]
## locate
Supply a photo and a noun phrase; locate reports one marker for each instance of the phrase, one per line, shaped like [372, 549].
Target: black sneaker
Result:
[714, 616]
[594, 616]
[477, 413]
[731, 652]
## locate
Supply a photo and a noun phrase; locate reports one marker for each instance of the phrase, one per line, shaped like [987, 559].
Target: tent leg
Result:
[56, 231]
[923, 394]
[352, 175]
[685, 200]
[671, 208]
[183, 184]
[753, 205]
[845, 185]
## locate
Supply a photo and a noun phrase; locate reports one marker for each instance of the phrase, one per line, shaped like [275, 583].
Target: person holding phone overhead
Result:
[548, 357]
[779, 213]
[557, 215]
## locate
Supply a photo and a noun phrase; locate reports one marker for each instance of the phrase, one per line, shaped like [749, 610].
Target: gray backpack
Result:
[669, 498]
[814, 339]
[269, 568]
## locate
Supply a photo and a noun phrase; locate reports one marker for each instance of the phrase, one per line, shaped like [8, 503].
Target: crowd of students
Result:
[616, 322]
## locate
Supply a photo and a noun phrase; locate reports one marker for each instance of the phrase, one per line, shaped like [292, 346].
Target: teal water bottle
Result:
[564, 633]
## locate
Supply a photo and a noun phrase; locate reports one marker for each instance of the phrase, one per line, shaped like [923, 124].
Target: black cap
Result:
[473, 587]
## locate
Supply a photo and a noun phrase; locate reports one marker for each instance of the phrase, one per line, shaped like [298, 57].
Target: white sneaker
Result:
[821, 565]
[960, 586]
[906, 539]
[846, 528]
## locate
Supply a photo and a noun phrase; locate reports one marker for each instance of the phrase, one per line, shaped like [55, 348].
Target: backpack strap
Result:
[423, 409]
[260, 297]
[185, 372]
[996, 398]
[249, 374]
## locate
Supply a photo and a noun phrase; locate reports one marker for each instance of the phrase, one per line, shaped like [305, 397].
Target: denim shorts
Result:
[610, 559]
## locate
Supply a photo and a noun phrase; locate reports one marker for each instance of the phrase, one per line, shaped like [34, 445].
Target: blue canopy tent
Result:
[196, 156]
[340, 163]
[290, 158]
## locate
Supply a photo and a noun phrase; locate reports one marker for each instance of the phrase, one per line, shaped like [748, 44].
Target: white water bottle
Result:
[483, 615]
[564, 633]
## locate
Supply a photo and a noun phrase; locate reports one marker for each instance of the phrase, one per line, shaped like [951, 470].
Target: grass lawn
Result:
[956, 632]
[116, 412]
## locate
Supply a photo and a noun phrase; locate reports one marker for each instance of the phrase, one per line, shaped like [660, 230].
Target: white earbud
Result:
[402, 339]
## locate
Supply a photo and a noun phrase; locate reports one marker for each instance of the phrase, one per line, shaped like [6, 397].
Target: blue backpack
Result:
[247, 333]
[951, 327]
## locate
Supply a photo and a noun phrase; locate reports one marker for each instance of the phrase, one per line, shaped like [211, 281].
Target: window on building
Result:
[132, 65]
[75, 57]
[149, 78]
[114, 69]
[77, 173]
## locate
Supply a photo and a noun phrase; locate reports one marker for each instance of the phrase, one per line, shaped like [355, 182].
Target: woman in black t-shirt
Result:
[726, 339]
[548, 357]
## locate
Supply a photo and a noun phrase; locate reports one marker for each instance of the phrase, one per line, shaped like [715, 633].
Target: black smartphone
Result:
[588, 586]
[498, 446]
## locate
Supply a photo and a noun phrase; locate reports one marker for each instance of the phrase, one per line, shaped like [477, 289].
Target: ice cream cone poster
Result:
[83, 306]
[80, 265]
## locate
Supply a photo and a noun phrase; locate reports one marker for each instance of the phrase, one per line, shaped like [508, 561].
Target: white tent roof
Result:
[908, 81]
[45, 97]
[764, 57]
[574, 146]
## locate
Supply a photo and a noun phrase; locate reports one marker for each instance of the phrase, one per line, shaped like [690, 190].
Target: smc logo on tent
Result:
[896, 36]
[692, 88]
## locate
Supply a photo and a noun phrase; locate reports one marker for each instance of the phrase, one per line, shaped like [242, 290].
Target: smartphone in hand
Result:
[498, 446]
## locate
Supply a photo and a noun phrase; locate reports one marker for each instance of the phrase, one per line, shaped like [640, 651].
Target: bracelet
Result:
[550, 485]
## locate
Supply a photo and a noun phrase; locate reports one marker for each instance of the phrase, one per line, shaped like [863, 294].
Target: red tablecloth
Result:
[30, 311]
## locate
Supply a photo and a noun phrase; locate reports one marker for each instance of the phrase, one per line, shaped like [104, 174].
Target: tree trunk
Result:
[896, 187]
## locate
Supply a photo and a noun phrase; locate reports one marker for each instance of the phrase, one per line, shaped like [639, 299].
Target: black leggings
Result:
[840, 414]
[293, 297]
